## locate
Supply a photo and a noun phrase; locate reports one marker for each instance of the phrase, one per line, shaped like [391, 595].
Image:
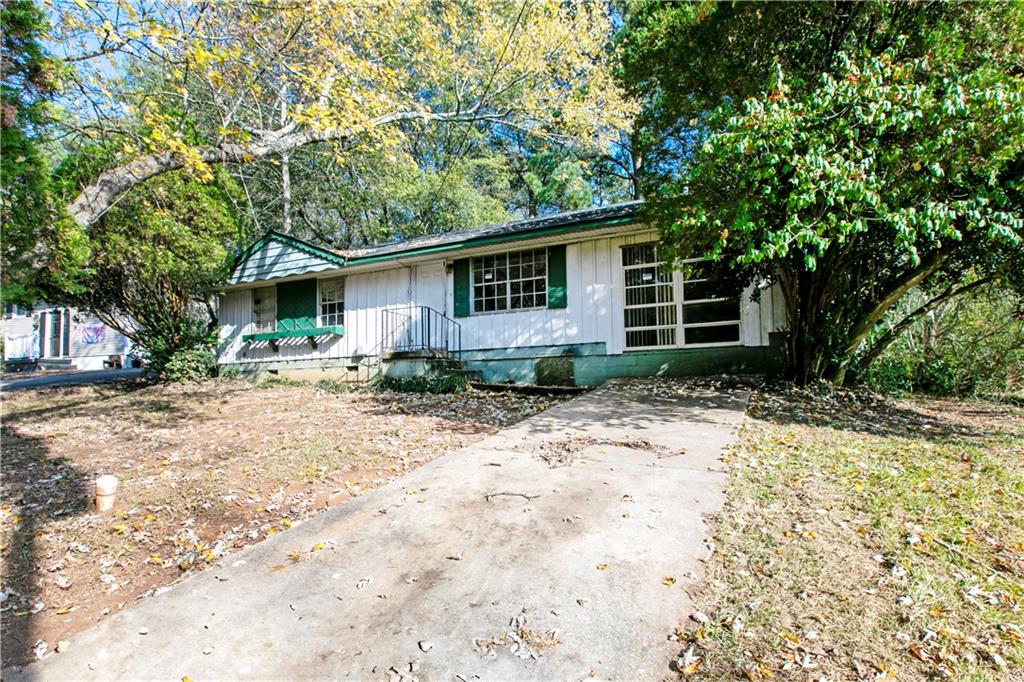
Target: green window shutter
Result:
[557, 296]
[461, 287]
[296, 305]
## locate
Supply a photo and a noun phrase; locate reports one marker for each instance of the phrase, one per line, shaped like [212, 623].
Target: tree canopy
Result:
[26, 82]
[242, 82]
[848, 151]
[146, 141]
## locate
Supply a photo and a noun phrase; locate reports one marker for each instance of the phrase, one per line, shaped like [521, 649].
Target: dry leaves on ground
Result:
[867, 538]
[204, 470]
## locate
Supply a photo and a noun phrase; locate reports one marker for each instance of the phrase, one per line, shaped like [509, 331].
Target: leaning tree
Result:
[245, 82]
[849, 152]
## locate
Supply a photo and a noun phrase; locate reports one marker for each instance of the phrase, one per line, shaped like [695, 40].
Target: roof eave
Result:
[496, 239]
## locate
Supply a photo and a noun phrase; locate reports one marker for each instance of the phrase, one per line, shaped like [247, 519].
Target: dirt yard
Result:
[204, 470]
[866, 538]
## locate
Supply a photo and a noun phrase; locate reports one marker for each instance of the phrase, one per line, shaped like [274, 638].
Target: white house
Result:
[576, 297]
[54, 336]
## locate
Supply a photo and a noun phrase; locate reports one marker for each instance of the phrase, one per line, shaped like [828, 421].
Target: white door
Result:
[430, 286]
[430, 327]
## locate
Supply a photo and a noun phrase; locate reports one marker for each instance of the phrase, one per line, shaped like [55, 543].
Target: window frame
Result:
[256, 329]
[508, 281]
[320, 316]
[679, 304]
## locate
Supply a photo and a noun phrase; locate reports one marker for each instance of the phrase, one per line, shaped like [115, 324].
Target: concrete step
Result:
[446, 364]
[55, 363]
[418, 353]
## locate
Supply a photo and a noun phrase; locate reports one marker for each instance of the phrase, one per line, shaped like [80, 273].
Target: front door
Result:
[54, 333]
[429, 325]
[431, 282]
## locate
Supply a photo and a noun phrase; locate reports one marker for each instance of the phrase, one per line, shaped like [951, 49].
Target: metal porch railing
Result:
[420, 328]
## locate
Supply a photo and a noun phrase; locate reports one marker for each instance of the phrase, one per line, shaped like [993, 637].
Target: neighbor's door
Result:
[54, 333]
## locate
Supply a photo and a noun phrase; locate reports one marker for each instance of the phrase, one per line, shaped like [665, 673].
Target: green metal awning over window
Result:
[309, 333]
[336, 330]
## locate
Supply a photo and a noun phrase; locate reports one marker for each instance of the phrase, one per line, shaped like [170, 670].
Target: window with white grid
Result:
[672, 309]
[650, 309]
[264, 309]
[332, 302]
[510, 281]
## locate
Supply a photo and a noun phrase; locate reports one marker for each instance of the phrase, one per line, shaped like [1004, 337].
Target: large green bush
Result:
[194, 364]
[184, 355]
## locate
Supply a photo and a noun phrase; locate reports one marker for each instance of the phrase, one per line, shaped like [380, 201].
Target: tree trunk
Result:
[891, 335]
[286, 175]
[94, 199]
[286, 196]
[835, 373]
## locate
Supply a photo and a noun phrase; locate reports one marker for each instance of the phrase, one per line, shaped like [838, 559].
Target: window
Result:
[670, 309]
[510, 281]
[332, 302]
[264, 309]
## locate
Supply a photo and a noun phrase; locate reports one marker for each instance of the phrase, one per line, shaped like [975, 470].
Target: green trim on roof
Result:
[470, 242]
[295, 242]
[498, 239]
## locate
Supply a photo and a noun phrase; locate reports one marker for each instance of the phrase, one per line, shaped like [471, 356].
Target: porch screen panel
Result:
[296, 305]
[674, 309]
[650, 311]
[708, 317]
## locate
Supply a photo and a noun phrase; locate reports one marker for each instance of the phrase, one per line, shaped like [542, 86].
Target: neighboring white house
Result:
[57, 336]
[578, 296]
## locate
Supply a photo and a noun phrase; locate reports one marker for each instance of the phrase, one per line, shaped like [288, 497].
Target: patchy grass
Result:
[204, 469]
[868, 539]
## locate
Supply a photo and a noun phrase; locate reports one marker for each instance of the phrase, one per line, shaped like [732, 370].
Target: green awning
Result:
[311, 332]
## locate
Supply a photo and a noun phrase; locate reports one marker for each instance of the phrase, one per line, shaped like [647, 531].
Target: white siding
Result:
[90, 338]
[21, 339]
[366, 295]
[593, 314]
[91, 341]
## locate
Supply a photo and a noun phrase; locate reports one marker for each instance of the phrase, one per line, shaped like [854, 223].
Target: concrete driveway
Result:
[98, 376]
[538, 553]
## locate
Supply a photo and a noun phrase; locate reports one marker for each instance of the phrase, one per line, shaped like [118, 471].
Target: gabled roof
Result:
[560, 223]
[568, 221]
[301, 244]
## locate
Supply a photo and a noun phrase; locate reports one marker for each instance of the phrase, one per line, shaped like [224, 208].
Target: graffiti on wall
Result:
[93, 333]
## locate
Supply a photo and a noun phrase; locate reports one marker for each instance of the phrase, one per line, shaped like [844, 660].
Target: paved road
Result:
[487, 563]
[98, 376]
